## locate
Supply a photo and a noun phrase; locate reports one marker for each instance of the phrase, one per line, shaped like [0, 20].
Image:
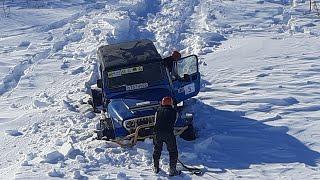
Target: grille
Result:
[132, 124]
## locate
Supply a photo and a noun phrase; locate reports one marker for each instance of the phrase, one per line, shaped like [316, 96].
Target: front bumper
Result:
[132, 139]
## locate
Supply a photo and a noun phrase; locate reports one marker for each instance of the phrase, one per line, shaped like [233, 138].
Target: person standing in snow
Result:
[169, 61]
[165, 119]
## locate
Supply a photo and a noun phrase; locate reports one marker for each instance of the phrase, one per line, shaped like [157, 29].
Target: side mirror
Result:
[99, 83]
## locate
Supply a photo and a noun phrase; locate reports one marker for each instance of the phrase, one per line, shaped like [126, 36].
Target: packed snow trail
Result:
[257, 113]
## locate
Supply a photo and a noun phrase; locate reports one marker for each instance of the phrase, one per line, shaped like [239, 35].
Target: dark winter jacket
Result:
[168, 62]
[165, 119]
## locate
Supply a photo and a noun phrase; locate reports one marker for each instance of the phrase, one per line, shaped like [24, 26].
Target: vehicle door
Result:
[186, 78]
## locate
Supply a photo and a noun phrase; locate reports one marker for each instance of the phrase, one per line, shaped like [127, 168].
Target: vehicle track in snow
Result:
[170, 26]
[11, 80]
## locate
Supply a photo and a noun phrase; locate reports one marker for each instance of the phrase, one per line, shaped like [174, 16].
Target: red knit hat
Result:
[176, 55]
[167, 101]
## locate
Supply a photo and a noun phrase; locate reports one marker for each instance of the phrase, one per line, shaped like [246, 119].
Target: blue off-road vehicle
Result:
[133, 80]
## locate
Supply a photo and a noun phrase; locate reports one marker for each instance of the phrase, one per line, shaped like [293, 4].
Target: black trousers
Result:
[171, 143]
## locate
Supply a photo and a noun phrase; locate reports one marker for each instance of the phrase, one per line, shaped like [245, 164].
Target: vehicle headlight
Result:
[188, 117]
[130, 124]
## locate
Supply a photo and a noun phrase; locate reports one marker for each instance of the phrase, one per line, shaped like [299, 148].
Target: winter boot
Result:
[156, 168]
[173, 171]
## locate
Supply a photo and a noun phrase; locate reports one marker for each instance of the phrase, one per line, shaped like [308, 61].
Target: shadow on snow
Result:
[228, 141]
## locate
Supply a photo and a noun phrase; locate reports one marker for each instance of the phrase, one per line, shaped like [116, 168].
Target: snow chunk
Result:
[42, 100]
[75, 37]
[25, 163]
[58, 142]
[59, 45]
[80, 159]
[104, 176]
[13, 132]
[121, 175]
[79, 25]
[76, 70]
[55, 173]
[66, 149]
[90, 115]
[69, 151]
[28, 157]
[39, 104]
[24, 44]
[95, 31]
[53, 157]
[77, 175]
[35, 128]
[102, 158]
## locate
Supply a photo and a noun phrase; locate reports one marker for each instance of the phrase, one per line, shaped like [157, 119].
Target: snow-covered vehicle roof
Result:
[128, 53]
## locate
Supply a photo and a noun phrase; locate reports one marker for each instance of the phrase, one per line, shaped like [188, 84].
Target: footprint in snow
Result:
[69, 106]
[262, 75]
[24, 44]
[268, 68]
[49, 38]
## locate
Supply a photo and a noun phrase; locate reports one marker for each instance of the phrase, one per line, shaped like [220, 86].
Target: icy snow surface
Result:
[257, 115]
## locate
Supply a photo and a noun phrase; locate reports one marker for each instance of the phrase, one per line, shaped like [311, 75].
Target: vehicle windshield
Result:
[135, 77]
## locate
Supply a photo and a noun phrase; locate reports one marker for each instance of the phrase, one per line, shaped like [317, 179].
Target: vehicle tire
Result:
[96, 98]
[99, 130]
[105, 131]
[189, 134]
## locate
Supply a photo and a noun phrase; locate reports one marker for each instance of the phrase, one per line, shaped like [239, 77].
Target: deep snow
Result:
[257, 114]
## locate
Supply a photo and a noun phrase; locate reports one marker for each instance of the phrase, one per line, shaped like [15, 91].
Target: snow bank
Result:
[183, 26]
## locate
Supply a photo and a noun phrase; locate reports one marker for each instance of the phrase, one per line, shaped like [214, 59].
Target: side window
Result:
[187, 65]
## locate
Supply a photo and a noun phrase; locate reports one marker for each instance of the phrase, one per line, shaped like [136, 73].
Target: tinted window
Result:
[138, 74]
